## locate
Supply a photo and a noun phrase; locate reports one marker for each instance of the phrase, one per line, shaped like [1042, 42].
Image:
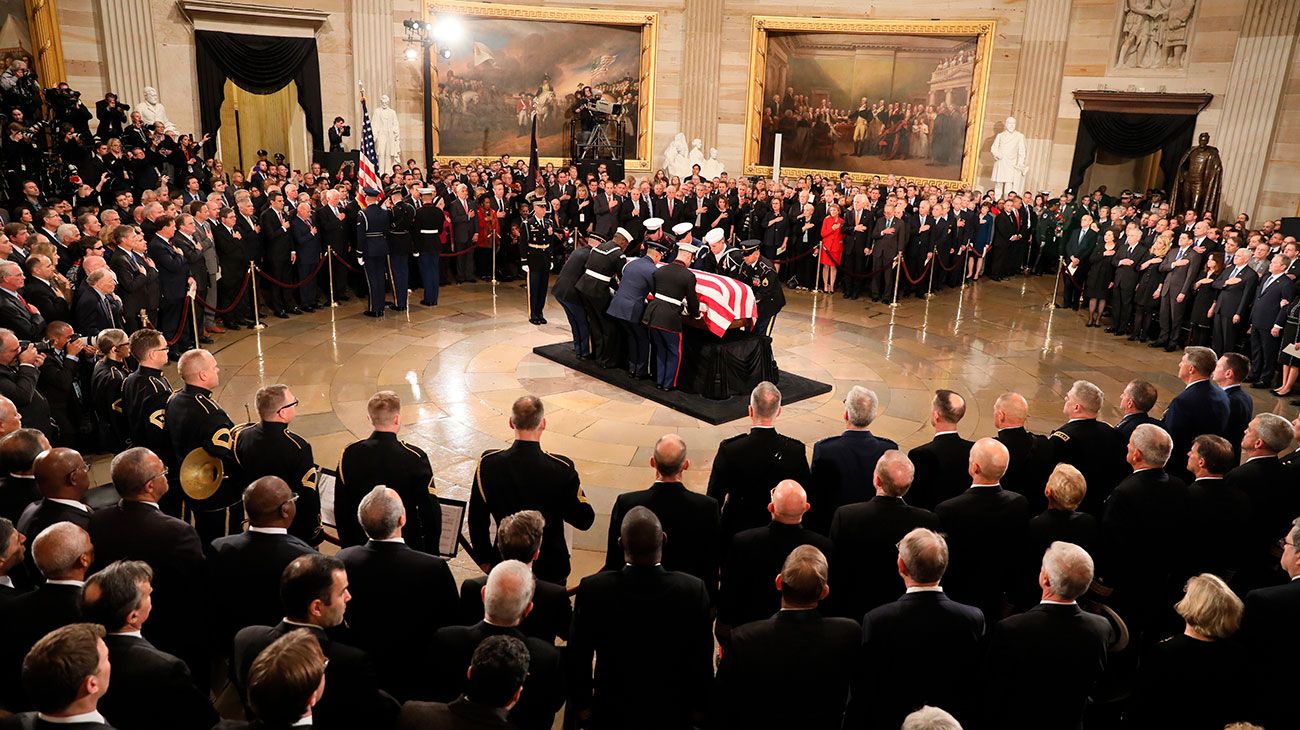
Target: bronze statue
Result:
[1198, 183]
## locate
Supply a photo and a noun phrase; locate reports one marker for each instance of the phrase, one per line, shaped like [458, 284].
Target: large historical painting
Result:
[517, 62]
[868, 97]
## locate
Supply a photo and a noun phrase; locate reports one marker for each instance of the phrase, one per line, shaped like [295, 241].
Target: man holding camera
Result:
[20, 364]
[111, 115]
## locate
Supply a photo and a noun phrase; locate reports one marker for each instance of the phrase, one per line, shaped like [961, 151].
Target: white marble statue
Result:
[696, 157]
[1009, 166]
[388, 136]
[712, 167]
[151, 110]
[676, 163]
[1154, 33]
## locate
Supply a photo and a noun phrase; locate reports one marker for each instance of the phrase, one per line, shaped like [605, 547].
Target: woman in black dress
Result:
[1290, 365]
[1148, 289]
[1101, 277]
[1203, 303]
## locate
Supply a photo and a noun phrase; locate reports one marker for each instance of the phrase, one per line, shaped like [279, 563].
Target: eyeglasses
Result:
[290, 500]
[286, 406]
[84, 467]
[162, 473]
[1284, 544]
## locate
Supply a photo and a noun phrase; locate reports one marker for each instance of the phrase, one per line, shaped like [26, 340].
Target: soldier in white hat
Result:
[717, 257]
[684, 233]
[628, 305]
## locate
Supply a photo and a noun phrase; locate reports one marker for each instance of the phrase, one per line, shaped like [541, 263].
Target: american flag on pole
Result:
[366, 176]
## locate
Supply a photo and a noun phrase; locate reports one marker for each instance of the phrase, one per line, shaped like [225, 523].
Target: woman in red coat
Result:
[832, 246]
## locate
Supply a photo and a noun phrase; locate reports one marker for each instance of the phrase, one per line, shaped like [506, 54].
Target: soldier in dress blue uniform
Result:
[759, 273]
[717, 257]
[401, 219]
[536, 236]
[628, 304]
[674, 293]
[372, 246]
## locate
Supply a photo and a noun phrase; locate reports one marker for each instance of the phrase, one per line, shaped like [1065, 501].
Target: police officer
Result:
[372, 248]
[269, 448]
[536, 236]
[524, 477]
[628, 305]
[761, 276]
[144, 399]
[674, 293]
[717, 257]
[401, 219]
[596, 287]
[195, 421]
[427, 234]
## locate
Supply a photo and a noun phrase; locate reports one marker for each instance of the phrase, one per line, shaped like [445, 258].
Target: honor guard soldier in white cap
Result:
[427, 233]
[536, 238]
[761, 276]
[673, 287]
[654, 229]
[717, 257]
[628, 306]
[372, 247]
[596, 287]
[683, 233]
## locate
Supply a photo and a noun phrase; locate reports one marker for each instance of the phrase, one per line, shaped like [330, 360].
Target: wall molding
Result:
[227, 17]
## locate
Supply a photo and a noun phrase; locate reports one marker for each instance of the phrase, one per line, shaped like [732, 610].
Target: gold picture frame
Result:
[647, 21]
[982, 30]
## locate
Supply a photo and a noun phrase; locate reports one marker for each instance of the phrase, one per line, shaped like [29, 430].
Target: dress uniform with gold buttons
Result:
[761, 276]
[269, 448]
[536, 236]
[106, 392]
[401, 221]
[385, 459]
[144, 399]
[195, 421]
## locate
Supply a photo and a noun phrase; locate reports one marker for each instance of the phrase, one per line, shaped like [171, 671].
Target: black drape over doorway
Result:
[1131, 135]
[262, 65]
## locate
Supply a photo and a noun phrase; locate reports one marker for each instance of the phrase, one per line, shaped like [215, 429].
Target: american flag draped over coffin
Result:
[723, 300]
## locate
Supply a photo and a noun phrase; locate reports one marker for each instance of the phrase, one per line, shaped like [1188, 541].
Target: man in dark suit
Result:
[1267, 316]
[150, 690]
[18, 488]
[285, 683]
[941, 464]
[19, 374]
[858, 222]
[400, 596]
[889, 238]
[1229, 373]
[689, 520]
[647, 629]
[1018, 694]
[136, 529]
[1272, 638]
[1181, 268]
[922, 633]
[1136, 402]
[137, 278]
[798, 651]
[519, 537]
[507, 598]
[985, 525]
[524, 477]
[1127, 261]
[314, 589]
[756, 555]
[13, 547]
[277, 252]
[1271, 492]
[234, 254]
[38, 290]
[1030, 454]
[605, 208]
[1090, 445]
[62, 555]
[98, 307]
[63, 478]
[748, 466]
[839, 462]
[1236, 287]
[1078, 249]
[464, 234]
[1140, 531]
[247, 566]
[1202, 407]
[16, 313]
[1009, 233]
[1218, 512]
[174, 282]
[69, 671]
[494, 683]
[328, 219]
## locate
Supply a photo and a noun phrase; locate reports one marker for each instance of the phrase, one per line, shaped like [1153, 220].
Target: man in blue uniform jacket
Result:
[628, 305]
[372, 245]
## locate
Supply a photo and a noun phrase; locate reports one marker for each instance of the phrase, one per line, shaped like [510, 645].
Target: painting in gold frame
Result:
[923, 82]
[511, 56]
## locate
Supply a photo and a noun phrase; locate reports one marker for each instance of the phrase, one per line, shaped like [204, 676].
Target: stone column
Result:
[372, 54]
[1038, 84]
[1255, 87]
[129, 56]
[701, 58]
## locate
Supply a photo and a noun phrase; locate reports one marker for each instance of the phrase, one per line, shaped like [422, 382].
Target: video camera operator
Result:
[19, 90]
[66, 108]
[111, 114]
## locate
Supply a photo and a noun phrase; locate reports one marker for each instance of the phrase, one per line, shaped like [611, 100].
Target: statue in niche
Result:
[696, 156]
[1009, 166]
[151, 110]
[1199, 179]
[712, 167]
[1154, 34]
[388, 136]
[676, 163]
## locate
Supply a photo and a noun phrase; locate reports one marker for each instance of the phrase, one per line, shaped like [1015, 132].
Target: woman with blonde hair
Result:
[1194, 681]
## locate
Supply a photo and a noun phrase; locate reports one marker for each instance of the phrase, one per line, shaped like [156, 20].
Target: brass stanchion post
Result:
[329, 255]
[898, 274]
[252, 283]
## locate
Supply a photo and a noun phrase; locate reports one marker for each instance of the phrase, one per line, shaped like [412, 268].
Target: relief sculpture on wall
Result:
[1154, 34]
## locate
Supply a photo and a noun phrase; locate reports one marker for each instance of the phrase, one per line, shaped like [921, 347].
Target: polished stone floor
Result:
[459, 366]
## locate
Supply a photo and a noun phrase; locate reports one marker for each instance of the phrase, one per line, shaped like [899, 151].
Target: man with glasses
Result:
[195, 421]
[269, 448]
[144, 401]
[16, 312]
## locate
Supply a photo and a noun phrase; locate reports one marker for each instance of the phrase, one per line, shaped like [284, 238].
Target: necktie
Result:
[1015, 218]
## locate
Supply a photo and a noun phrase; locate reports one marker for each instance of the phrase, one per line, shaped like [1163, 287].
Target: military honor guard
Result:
[401, 220]
[654, 231]
[372, 247]
[673, 288]
[269, 448]
[566, 293]
[761, 276]
[196, 422]
[427, 232]
[628, 305]
[685, 233]
[536, 237]
[717, 257]
[596, 287]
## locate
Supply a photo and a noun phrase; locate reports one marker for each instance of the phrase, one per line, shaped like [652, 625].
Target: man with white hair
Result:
[1042, 664]
[98, 307]
[1274, 500]
[1089, 444]
[986, 525]
[930, 718]
[507, 598]
[399, 596]
[839, 463]
[748, 466]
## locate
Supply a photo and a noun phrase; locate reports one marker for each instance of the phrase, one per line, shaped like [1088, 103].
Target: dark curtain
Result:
[1132, 135]
[260, 64]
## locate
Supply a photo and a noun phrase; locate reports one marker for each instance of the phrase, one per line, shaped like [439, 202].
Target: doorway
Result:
[251, 122]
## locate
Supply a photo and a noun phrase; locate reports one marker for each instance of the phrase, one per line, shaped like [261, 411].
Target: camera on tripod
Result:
[608, 108]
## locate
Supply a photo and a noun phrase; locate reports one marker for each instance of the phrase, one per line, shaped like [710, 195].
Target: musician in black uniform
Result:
[269, 448]
[596, 287]
[195, 421]
[537, 233]
[401, 219]
[524, 477]
[426, 233]
[761, 276]
[385, 459]
[144, 399]
[673, 292]
[372, 249]
[106, 384]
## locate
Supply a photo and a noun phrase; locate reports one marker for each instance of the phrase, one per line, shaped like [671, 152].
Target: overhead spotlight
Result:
[447, 29]
[408, 23]
[429, 26]
[411, 54]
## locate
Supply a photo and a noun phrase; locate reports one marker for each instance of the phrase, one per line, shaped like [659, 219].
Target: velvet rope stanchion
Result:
[185, 316]
[329, 256]
[226, 310]
[257, 316]
[898, 265]
[194, 317]
[287, 285]
[1057, 284]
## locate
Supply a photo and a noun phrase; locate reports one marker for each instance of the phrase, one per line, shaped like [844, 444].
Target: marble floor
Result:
[459, 366]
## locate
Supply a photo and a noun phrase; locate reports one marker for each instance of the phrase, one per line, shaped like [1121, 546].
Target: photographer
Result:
[111, 115]
[66, 108]
[67, 366]
[19, 90]
[21, 158]
[19, 370]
